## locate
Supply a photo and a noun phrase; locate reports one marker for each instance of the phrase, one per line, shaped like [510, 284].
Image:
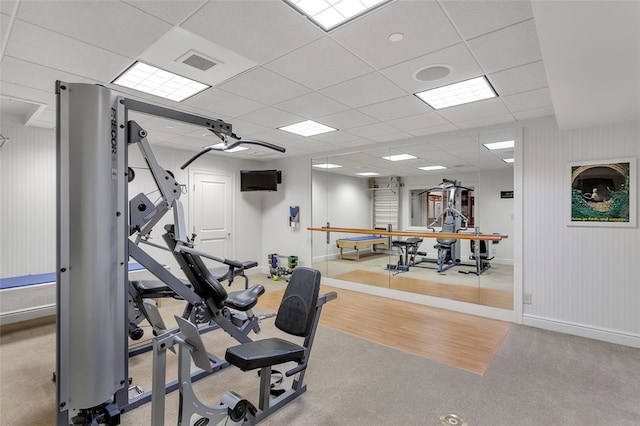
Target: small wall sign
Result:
[506, 194]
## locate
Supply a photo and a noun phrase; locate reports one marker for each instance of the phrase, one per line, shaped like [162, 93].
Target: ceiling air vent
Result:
[197, 61]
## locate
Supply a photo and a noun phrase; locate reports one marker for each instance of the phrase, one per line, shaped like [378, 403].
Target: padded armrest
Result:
[244, 300]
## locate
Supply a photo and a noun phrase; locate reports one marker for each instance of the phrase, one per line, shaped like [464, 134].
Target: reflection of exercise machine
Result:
[298, 315]
[94, 223]
[480, 255]
[407, 252]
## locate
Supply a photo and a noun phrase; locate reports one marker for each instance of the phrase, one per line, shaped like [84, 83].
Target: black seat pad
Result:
[263, 353]
[221, 273]
[156, 287]
[245, 299]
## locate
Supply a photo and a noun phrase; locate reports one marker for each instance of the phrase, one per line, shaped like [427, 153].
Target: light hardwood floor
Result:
[460, 340]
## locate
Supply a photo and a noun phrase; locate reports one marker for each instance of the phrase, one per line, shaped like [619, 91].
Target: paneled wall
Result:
[582, 280]
[28, 201]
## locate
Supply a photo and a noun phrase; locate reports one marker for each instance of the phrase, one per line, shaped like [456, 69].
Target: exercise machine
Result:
[95, 227]
[298, 315]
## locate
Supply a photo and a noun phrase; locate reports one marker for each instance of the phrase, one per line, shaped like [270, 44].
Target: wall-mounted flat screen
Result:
[259, 180]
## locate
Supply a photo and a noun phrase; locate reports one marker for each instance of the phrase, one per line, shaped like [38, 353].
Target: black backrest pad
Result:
[204, 284]
[298, 306]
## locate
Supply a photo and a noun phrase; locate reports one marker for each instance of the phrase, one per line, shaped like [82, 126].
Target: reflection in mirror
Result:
[427, 206]
[449, 176]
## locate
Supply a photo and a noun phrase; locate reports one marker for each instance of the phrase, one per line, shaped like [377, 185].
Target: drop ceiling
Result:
[576, 62]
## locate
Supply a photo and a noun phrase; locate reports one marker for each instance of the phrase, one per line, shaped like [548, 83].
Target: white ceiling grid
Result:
[353, 78]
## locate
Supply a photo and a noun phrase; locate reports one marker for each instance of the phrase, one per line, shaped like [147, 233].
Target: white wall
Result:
[583, 280]
[277, 236]
[343, 201]
[28, 199]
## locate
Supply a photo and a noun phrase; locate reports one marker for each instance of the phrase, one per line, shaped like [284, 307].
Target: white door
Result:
[211, 214]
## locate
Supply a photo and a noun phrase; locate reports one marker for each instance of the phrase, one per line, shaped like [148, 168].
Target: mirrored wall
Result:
[438, 184]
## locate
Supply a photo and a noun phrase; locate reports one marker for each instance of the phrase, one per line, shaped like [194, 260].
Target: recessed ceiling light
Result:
[236, 149]
[498, 145]
[328, 14]
[399, 157]
[396, 37]
[326, 166]
[475, 89]
[307, 128]
[508, 160]
[149, 79]
[429, 168]
[368, 174]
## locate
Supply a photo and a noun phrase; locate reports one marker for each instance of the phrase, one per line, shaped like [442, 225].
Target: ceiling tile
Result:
[171, 11]
[346, 120]
[219, 101]
[434, 130]
[534, 113]
[419, 121]
[486, 121]
[7, 7]
[246, 129]
[271, 118]
[312, 105]
[276, 136]
[528, 100]
[262, 85]
[511, 47]
[365, 90]
[45, 97]
[423, 24]
[320, 64]
[457, 58]
[5, 24]
[474, 18]
[398, 136]
[396, 108]
[258, 30]
[95, 22]
[376, 129]
[519, 79]
[36, 76]
[34, 44]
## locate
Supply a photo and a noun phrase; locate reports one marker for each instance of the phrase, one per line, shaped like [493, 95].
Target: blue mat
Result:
[49, 277]
[366, 237]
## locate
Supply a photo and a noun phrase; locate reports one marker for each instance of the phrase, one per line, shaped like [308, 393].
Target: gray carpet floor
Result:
[537, 378]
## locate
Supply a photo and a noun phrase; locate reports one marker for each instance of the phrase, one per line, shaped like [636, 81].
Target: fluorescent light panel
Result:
[307, 128]
[326, 166]
[399, 157]
[429, 168]
[498, 145]
[149, 79]
[328, 14]
[475, 89]
[236, 149]
[508, 160]
[368, 174]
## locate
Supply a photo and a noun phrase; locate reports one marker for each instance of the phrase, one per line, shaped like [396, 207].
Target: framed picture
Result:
[603, 193]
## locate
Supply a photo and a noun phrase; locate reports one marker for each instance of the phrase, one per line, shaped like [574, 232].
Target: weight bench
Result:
[298, 315]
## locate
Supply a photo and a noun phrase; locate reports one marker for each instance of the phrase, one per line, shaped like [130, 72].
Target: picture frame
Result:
[602, 193]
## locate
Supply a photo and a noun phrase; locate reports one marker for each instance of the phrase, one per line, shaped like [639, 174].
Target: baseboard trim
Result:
[27, 314]
[605, 335]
